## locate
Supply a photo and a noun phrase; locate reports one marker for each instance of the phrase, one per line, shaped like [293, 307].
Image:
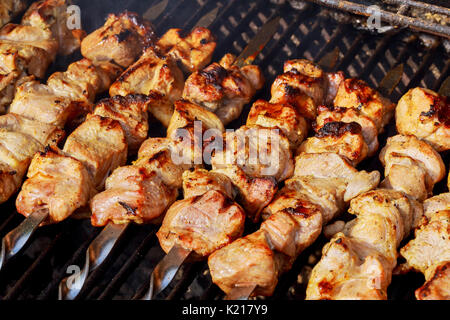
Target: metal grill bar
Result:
[427, 60]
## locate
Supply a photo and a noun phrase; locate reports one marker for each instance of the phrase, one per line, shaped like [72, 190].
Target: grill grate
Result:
[308, 33]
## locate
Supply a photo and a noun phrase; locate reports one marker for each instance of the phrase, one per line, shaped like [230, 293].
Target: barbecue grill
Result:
[333, 33]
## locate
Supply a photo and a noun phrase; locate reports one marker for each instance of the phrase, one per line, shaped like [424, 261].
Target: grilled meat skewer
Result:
[359, 261]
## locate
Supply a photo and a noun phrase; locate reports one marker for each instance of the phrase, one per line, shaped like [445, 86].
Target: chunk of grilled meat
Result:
[57, 182]
[193, 50]
[369, 130]
[259, 151]
[411, 166]
[121, 40]
[282, 116]
[200, 181]
[131, 112]
[429, 251]
[53, 15]
[20, 140]
[260, 265]
[253, 193]
[425, 114]
[66, 97]
[9, 9]
[141, 192]
[223, 88]
[100, 144]
[202, 223]
[152, 72]
[26, 48]
[255, 159]
[188, 127]
[302, 85]
[83, 80]
[342, 138]
[356, 94]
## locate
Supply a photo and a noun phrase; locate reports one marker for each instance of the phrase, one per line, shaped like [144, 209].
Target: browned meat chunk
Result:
[426, 115]
[194, 51]
[202, 224]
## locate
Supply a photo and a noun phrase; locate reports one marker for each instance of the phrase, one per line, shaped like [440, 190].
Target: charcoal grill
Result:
[307, 30]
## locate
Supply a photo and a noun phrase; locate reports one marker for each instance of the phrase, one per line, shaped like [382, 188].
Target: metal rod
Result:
[165, 271]
[421, 5]
[96, 254]
[15, 241]
[389, 17]
[128, 266]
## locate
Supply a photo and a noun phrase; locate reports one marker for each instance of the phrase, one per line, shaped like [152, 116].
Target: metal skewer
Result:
[166, 269]
[16, 239]
[96, 254]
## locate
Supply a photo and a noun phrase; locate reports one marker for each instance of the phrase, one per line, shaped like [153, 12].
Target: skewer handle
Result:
[16, 240]
[70, 287]
[165, 271]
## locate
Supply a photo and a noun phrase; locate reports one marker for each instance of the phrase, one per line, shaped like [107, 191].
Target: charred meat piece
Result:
[191, 128]
[356, 94]
[202, 223]
[132, 194]
[57, 182]
[411, 166]
[247, 261]
[21, 139]
[193, 50]
[303, 85]
[26, 48]
[100, 144]
[131, 112]
[223, 89]
[253, 193]
[66, 96]
[426, 115]
[143, 191]
[281, 116]
[152, 72]
[369, 130]
[200, 181]
[342, 138]
[260, 152]
[121, 40]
